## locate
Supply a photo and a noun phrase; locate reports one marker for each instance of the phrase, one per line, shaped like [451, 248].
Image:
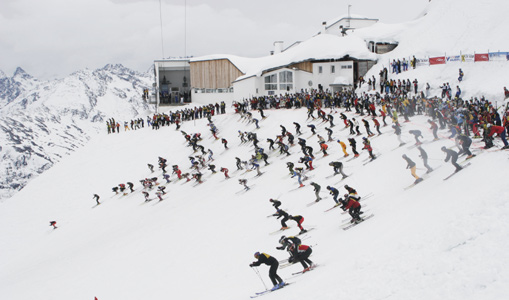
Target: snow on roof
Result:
[321, 47]
[352, 16]
[340, 80]
[447, 27]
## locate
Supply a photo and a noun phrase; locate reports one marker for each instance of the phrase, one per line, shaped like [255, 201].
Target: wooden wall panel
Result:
[213, 74]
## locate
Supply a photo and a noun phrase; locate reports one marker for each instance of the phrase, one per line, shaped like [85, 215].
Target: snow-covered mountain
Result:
[42, 121]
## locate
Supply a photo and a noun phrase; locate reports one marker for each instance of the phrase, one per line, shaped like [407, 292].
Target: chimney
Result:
[324, 27]
[278, 47]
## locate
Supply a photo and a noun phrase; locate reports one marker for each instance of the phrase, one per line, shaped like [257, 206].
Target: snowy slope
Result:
[440, 239]
[45, 121]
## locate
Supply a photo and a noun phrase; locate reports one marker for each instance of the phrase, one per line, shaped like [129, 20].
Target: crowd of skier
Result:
[449, 117]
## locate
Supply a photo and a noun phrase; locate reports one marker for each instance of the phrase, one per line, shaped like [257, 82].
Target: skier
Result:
[316, 189]
[264, 258]
[96, 197]
[343, 146]
[434, 128]
[146, 194]
[290, 166]
[54, 224]
[239, 163]
[225, 143]
[323, 147]
[225, 171]
[424, 157]
[313, 128]
[299, 220]
[353, 207]
[334, 192]
[411, 165]
[500, 130]
[276, 203]
[244, 183]
[297, 172]
[151, 167]
[417, 134]
[281, 213]
[453, 156]
[377, 125]
[397, 131]
[297, 128]
[465, 143]
[338, 168]
[286, 242]
[353, 144]
[461, 74]
[130, 185]
[301, 253]
[367, 146]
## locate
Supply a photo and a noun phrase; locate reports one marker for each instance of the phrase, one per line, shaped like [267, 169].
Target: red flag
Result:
[482, 57]
[437, 60]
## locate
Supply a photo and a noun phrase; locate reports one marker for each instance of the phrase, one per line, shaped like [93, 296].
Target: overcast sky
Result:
[53, 38]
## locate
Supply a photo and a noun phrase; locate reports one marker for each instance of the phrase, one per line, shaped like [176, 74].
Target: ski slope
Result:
[437, 240]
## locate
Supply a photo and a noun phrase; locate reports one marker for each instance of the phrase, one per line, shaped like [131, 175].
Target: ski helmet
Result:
[257, 254]
[282, 239]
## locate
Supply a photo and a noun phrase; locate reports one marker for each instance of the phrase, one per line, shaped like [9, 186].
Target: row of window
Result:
[333, 68]
[213, 91]
[285, 81]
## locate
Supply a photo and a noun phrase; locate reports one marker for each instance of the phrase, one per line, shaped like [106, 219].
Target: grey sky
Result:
[53, 38]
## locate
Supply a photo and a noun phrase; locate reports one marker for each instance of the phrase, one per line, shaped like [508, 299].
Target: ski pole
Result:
[258, 273]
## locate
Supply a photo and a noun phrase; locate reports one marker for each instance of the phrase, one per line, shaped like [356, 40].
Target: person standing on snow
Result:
[264, 258]
[424, 157]
[299, 220]
[338, 168]
[453, 156]
[301, 253]
[411, 165]
[316, 188]
[281, 213]
[334, 192]
[276, 203]
[96, 197]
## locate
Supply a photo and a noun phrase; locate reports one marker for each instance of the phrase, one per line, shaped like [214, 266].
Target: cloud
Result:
[54, 38]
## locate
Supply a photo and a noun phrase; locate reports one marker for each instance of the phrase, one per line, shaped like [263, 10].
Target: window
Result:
[346, 67]
[320, 70]
[333, 69]
[271, 82]
[286, 80]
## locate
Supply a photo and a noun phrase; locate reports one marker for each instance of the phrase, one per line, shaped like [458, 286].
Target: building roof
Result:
[321, 47]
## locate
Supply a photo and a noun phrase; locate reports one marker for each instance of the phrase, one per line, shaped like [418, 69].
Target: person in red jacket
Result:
[300, 253]
[500, 131]
[353, 207]
[367, 146]
[225, 171]
[434, 128]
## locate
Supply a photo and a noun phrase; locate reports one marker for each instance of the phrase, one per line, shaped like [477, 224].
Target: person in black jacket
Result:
[276, 203]
[453, 156]
[424, 157]
[411, 165]
[281, 213]
[264, 258]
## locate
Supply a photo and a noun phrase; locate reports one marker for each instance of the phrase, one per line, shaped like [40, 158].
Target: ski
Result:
[269, 291]
[278, 231]
[307, 230]
[457, 171]
[416, 182]
[302, 272]
[354, 224]
[337, 205]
